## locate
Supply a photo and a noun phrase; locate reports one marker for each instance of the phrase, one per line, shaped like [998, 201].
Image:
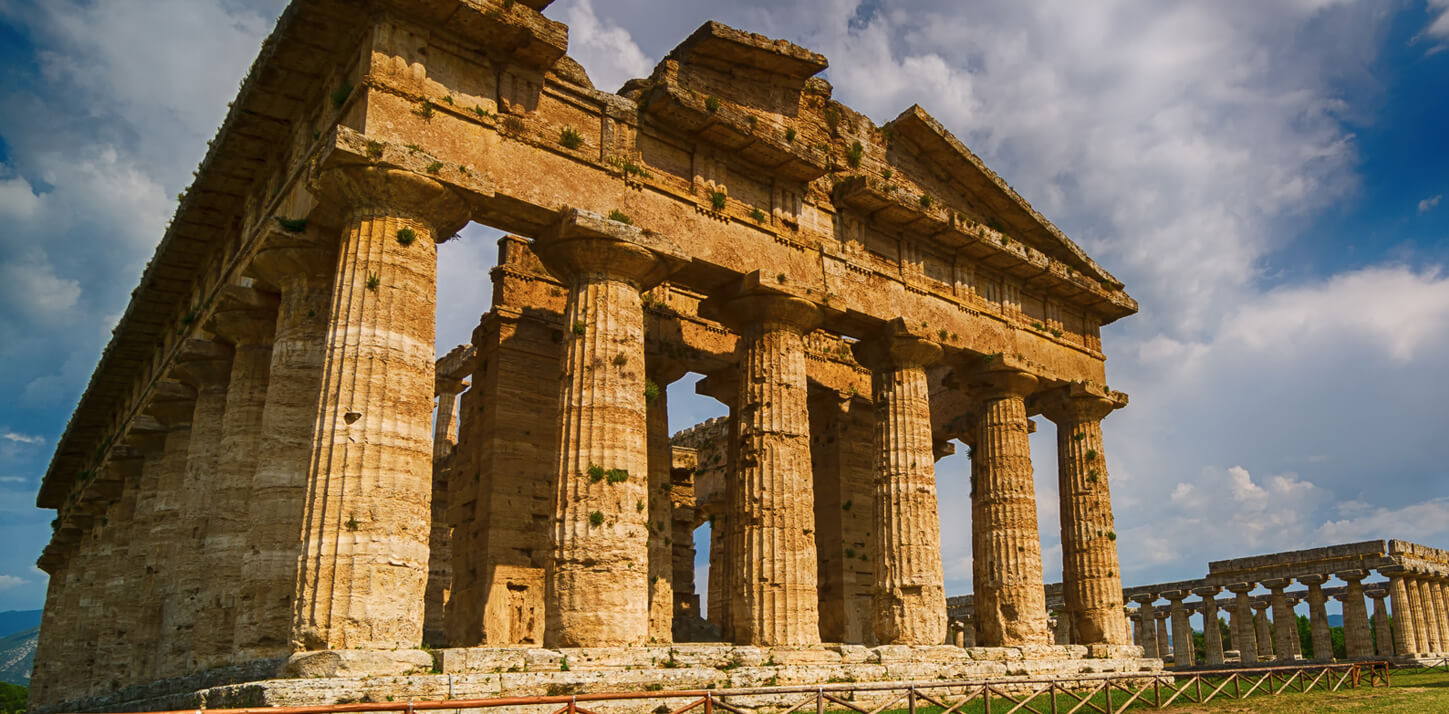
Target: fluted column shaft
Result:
[1211, 633]
[1285, 625]
[247, 319]
[1357, 636]
[772, 515]
[1182, 650]
[174, 406]
[724, 386]
[1441, 610]
[1266, 642]
[909, 595]
[1383, 631]
[301, 269]
[1421, 644]
[660, 510]
[445, 429]
[1005, 545]
[1147, 626]
[363, 573]
[1433, 644]
[1164, 638]
[597, 581]
[1406, 636]
[113, 641]
[1091, 578]
[1245, 635]
[1318, 618]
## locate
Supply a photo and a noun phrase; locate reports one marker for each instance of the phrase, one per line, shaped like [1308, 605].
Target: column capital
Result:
[1277, 584]
[452, 386]
[204, 363]
[723, 385]
[172, 403]
[1349, 576]
[583, 244]
[285, 257]
[1313, 581]
[245, 316]
[1240, 588]
[1077, 402]
[897, 344]
[999, 383]
[378, 190]
[1207, 592]
[761, 307]
[1174, 596]
[1144, 599]
[145, 432]
[1377, 593]
[1162, 613]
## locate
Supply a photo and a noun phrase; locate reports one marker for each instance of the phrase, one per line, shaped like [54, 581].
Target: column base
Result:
[337, 677]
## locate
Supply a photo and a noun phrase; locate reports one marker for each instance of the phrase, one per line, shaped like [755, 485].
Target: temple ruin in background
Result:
[253, 487]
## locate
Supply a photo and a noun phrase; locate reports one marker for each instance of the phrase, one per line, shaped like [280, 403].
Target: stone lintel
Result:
[1156, 588]
[516, 32]
[723, 46]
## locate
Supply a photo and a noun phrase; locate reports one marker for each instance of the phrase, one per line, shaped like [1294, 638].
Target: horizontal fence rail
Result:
[1101, 693]
[1423, 666]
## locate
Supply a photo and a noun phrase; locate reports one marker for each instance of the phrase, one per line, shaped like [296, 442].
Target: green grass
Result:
[1409, 693]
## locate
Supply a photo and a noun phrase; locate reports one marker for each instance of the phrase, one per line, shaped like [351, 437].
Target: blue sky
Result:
[1267, 178]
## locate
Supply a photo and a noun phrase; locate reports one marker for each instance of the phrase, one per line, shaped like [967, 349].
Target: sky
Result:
[1267, 178]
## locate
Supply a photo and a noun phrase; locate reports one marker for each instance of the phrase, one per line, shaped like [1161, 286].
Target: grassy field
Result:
[1410, 693]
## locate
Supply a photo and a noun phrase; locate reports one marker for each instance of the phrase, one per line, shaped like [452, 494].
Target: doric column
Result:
[445, 428]
[1091, 579]
[1182, 650]
[205, 366]
[1406, 625]
[909, 595]
[173, 404]
[1212, 634]
[1245, 635]
[1297, 641]
[1147, 624]
[1437, 590]
[1285, 625]
[367, 516]
[659, 506]
[1266, 644]
[1005, 545]
[1357, 637]
[968, 631]
[771, 515]
[1384, 636]
[1136, 621]
[247, 319]
[1433, 645]
[301, 268]
[1422, 622]
[724, 386]
[1164, 640]
[113, 650]
[1318, 618]
[148, 436]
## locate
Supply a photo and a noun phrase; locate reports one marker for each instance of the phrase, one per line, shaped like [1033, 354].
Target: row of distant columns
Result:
[1420, 632]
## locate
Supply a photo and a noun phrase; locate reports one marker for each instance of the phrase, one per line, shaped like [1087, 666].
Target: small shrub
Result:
[854, 155]
[942, 335]
[790, 135]
[596, 519]
[717, 199]
[832, 118]
[340, 95]
[757, 215]
[651, 391]
[887, 174]
[780, 278]
[373, 282]
[374, 150]
[1056, 332]
[1112, 535]
[448, 99]
[352, 524]
[292, 225]
[617, 476]
[620, 216]
[579, 328]
[1092, 476]
[570, 138]
[1078, 436]
[406, 236]
[1091, 454]
[638, 506]
[435, 167]
[1005, 240]
[1037, 326]
[752, 119]
[711, 104]
[596, 473]
[620, 360]
[850, 552]
[925, 201]
[845, 506]
[425, 110]
[563, 664]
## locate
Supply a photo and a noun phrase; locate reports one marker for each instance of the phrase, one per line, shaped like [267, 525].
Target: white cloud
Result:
[1438, 27]
[10, 581]
[21, 438]
[605, 49]
[1430, 203]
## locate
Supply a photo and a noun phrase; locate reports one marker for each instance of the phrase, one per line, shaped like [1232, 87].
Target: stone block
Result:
[356, 663]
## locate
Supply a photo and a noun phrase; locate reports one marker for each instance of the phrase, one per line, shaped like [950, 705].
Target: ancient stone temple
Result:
[272, 477]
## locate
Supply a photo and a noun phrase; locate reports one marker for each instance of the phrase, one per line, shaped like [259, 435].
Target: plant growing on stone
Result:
[757, 215]
[352, 524]
[292, 225]
[617, 475]
[717, 199]
[711, 104]
[1056, 332]
[651, 391]
[780, 278]
[925, 201]
[374, 150]
[435, 167]
[1037, 326]
[596, 473]
[1078, 436]
[790, 135]
[854, 154]
[579, 328]
[1112, 535]
[340, 94]
[406, 236]
[425, 110]
[563, 664]
[887, 174]
[638, 506]
[620, 216]
[1091, 454]
[620, 360]
[373, 282]
[570, 138]
[596, 519]
[845, 506]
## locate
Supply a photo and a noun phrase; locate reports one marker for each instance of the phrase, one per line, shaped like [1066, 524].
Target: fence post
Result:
[911, 699]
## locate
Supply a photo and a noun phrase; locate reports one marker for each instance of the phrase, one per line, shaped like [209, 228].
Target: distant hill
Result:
[1335, 620]
[13, 621]
[17, 655]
